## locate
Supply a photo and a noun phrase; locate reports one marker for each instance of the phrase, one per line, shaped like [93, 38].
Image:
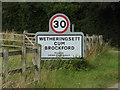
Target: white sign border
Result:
[63, 34]
[67, 31]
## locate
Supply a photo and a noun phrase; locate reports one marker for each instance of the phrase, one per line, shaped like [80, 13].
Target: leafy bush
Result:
[76, 63]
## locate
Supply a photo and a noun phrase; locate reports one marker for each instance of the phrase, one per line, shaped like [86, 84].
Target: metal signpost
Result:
[60, 41]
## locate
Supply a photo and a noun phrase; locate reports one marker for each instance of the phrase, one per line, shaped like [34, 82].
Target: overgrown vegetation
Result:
[99, 70]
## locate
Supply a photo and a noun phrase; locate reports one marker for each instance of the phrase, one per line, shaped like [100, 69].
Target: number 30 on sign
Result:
[59, 23]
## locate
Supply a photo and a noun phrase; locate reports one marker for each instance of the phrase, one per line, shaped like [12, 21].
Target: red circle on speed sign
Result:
[59, 23]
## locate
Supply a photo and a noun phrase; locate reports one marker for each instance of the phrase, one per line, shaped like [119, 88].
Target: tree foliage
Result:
[91, 18]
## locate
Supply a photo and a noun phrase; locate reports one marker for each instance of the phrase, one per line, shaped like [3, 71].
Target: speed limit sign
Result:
[59, 23]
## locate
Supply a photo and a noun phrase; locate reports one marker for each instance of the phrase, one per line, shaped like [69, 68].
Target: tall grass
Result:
[101, 72]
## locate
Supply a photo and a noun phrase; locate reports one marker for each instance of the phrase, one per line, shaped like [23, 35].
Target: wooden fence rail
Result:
[17, 40]
[13, 53]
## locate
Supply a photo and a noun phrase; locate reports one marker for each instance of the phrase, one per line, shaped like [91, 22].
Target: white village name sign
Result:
[59, 41]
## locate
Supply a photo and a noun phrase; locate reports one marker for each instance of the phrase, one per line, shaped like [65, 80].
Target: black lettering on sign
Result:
[56, 24]
[59, 43]
[62, 23]
[59, 47]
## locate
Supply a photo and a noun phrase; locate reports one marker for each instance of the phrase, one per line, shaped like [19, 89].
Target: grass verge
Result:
[99, 70]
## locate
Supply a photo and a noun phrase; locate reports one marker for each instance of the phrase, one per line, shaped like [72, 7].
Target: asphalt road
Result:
[116, 51]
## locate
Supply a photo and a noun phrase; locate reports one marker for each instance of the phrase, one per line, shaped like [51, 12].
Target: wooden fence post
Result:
[37, 61]
[23, 61]
[3, 37]
[100, 40]
[5, 62]
[24, 38]
[14, 38]
[23, 57]
[85, 50]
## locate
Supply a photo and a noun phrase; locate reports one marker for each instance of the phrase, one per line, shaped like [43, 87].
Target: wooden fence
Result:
[92, 42]
[26, 41]
[37, 58]
[17, 40]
